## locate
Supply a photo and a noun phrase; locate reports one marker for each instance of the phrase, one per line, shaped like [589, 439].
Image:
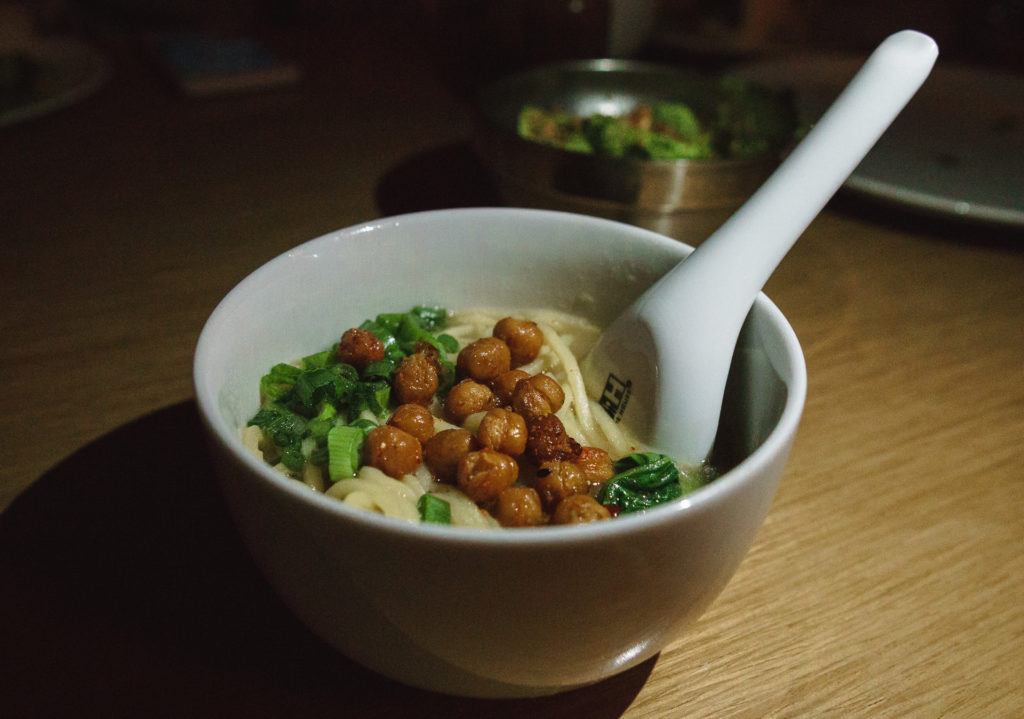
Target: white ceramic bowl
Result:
[469, 612]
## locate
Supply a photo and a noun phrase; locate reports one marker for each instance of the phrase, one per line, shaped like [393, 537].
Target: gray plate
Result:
[957, 150]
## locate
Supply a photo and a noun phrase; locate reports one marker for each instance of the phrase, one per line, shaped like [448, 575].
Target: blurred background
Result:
[153, 153]
[500, 35]
[187, 64]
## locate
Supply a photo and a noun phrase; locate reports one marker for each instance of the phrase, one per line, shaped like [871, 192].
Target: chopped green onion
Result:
[380, 369]
[276, 384]
[324, 384]
[369, 396]
[319, 360]
[292, 457]
[433, 509]
[430, 318]
[449, 343]
[284, 373]
[389, 321]
[385, 335]
[344, 448]
[410, 332]
[281, 425]
[363, 423]
[320, 425]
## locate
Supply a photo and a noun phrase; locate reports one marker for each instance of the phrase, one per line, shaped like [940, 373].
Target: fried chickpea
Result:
[414, 419]
[556, 480]
[596, 465]
[548, 440]
[443, 452]
[484, 359]
[392, 451]
[484, 474]
[359, 348]
[578, 509]
[524, 339]
[537, 396]
[519, 507]
[504, 431]
[429, 351]
[466, 398]
[416, 379]
[505, 384]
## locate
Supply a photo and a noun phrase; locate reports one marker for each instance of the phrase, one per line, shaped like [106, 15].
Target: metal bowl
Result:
[685, 199]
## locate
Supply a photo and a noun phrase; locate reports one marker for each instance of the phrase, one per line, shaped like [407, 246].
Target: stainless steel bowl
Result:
[685, 199]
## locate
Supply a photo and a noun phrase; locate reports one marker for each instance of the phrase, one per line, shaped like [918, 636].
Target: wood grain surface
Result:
[887, 581]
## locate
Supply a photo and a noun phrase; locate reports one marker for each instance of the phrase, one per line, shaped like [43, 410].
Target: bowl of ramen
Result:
[657, 146]
[403, 440]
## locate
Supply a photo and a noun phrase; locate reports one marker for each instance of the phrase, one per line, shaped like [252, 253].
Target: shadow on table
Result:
[126, 592]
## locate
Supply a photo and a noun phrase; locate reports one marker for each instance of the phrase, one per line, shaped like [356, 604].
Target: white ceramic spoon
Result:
[674, 345]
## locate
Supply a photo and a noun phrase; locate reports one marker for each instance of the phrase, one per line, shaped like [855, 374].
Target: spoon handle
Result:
[692, 316]
[729, 268]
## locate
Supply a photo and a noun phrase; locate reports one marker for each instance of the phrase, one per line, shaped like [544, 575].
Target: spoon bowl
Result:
[670, 351]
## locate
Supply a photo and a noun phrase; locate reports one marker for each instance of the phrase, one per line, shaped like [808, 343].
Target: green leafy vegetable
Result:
[277, 383]
[450, 344]
[325, 384]
[663, 147]
[380, 369]
[751, 119]
[281, 425]
[577, 142]
[292, 457]
[642, 480]
[372, 396]
[679, 119]
[735, 118]
[364, 424]
[434, 509]
[286, 430]
[410, 332]
[620, 140]
[320, 425]
[321, 359]
[389, 321]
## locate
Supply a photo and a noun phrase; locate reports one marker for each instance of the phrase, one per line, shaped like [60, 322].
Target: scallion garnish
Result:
[344, 448]
[433, 509]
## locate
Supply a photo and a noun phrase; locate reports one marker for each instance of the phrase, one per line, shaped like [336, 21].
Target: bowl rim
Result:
[701, 499]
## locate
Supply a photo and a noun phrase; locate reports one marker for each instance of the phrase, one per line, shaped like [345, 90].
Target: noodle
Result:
[380, 493]
[374, 491]
[574, 379]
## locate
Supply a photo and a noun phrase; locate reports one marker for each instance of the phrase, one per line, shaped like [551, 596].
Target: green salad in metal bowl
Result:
[743, 121]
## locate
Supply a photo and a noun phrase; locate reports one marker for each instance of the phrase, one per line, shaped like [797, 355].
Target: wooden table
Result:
[888, 580]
